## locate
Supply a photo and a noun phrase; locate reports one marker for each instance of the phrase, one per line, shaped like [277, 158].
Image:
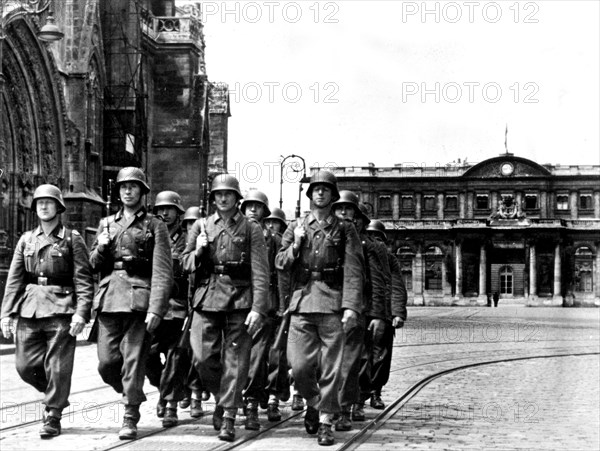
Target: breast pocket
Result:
[59, 261]
[333, 251]
[29, 257]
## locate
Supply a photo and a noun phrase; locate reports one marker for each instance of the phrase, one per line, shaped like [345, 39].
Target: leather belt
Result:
[46, 281]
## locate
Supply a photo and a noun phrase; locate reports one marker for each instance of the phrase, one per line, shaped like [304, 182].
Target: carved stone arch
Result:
[33, 123]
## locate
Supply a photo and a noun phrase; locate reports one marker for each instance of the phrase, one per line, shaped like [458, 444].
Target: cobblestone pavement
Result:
[548, 403]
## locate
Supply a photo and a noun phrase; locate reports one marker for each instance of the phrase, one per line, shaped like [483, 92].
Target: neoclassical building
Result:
[507, 225]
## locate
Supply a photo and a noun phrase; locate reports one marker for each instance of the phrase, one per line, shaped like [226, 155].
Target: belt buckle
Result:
[42, 281]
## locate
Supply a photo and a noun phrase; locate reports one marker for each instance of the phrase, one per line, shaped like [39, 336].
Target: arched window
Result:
[506, 280]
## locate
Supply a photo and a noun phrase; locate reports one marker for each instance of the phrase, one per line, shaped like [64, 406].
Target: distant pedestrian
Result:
[49, 292]
[496, 298]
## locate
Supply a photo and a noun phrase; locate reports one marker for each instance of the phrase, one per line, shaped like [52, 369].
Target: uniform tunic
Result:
[326, 277]
[136, 278]
[231, 278]
[49, 280]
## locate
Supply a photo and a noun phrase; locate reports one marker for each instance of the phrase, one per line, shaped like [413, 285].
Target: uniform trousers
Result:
[278, 379]
[315, 350]
[221, 345]
[382, 346]
[169, 377]
[262, 341]
[351, 366]
[44, 357]
[123, 345]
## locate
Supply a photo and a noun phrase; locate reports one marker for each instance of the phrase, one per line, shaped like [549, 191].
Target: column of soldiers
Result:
[236, 305]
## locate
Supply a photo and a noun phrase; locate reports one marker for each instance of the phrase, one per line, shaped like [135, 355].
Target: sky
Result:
[348, 83]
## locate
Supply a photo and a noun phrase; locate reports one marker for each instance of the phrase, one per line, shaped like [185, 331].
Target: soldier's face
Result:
[46, 209]
[274, 225]
[255, 210]
[321, 196]
[344, 211]
[130, 194]
[188, 226]
[168, 214]
[225, 201]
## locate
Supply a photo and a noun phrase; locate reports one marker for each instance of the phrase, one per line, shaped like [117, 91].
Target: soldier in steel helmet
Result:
[324, 256]
[255, 206]
[356, 350]
[194, 391]
[132, 253]
[228, 255]
[395, 316]
[168, 377]
[49, 293]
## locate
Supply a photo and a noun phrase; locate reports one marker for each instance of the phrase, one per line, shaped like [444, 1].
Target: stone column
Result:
[459, 275]
[396, 206]
[482, 298]
[440, 206]
[462, 209]
[494, 201]
[532, 273]
[418, 207]
[573, 205]
[597, 274]
[417, 276]
[557, 298]
[597, 204]
[519, 200]
[446, 287]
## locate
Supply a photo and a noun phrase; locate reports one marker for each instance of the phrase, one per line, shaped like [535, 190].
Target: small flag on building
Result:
[130, 143]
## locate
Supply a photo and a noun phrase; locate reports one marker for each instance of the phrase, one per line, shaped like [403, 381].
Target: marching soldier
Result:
[169, 377]
[396, 314]
[255, 207]
[49, 290]
[324, 256]
[194, 391]
[132, 253]
[355, 370]
[227, 252]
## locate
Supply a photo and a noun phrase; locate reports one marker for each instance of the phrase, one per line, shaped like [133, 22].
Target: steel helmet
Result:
[225, 182]
[191, 214]
[324, 178]
[132, 174]
[256, 196]
[347, 197]
[364, 211]
[48, 192]
[377, 226]
[278, 215]
[168, 199]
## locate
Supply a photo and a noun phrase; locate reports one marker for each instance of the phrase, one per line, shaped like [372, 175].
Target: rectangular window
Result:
[407, 203]
[385, 203]
[429, 203]
[451, 202]
[482, 202]
[562, 202]
[531, 201]
[585, 202]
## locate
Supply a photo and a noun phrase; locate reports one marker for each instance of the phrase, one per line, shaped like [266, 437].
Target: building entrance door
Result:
[506, 281]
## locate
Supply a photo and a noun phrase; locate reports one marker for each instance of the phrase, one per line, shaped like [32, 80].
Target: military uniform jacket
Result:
[320, 250]
[283, 281]
[178, 302]
[59, 260]
[233, 271]
[136, 268]
[379, 276]
[273, 243]
[398, 289]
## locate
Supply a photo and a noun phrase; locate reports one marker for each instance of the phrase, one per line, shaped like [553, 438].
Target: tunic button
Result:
[316, 252]
[41, 260]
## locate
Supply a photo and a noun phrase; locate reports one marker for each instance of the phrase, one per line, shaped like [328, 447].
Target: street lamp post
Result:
[296, 167]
